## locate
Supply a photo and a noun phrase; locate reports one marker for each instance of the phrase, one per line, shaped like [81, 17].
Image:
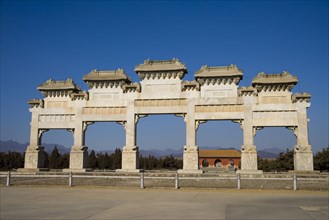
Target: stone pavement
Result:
[117, 203]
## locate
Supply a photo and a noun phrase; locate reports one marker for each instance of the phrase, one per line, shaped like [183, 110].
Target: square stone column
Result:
[35, 156]
[248, 149]
[303, 156]
[130, 152]
[79, 152]
[191, 151]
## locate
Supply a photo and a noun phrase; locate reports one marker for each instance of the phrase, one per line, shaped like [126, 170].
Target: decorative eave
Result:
[247, 91]
[36, 103]
[107, 78]
[219, 75]
[129, 88]
[274, 82]
[80, 96]
[301, 97]
[190, 86]
[161, 69]
[55, 88]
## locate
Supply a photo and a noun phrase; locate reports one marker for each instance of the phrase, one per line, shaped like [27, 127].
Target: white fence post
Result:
[176, 181]
[239, 181]
[142, 180]
[70, 179]
[295, 182]
[8, 178]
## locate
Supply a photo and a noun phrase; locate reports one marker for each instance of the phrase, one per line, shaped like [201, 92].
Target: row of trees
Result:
[285, 162]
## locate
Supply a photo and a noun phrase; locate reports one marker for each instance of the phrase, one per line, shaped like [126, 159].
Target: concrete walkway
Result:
[114, 203]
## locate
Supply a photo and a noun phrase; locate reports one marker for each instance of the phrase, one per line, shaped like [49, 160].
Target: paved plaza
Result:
[117, 203]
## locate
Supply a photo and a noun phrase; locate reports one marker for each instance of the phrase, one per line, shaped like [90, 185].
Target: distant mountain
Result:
[178, 153]
[11, 145]
[270, 152]
[15, 146]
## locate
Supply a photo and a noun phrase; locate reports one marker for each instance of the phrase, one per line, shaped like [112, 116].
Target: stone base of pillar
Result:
[249, 172]
[32, 170]
[35, 158]
[249, 160]
[77, 170]
[130, 159]
[190, 160]
[128, 171]
[79, 159]
[303, 158]
[184, 171]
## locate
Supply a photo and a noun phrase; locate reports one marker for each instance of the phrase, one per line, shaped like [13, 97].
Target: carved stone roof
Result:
[51, 84]
[190, 86]
[107, 75]
[218, 71]
[160, 66]
[301, 97]
[281, 78]
[247, 91]
[219, 153]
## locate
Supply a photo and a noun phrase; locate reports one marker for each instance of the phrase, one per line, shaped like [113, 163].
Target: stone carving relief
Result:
[219, 108]
[57, 118]
[160, 102]
[104, 110]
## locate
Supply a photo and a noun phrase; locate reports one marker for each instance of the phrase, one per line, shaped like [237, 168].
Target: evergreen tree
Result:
[321, 160]
[54, 159]
[92, 160]
[65, 161]
[117, 159]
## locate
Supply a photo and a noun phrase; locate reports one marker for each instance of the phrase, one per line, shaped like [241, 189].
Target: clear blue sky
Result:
[61, 39]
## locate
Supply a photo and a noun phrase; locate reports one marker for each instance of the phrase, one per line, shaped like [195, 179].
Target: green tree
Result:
[117, 159]
[65, 161]
[285, 161]
[92, 160]
[54, 159]
[321, 160]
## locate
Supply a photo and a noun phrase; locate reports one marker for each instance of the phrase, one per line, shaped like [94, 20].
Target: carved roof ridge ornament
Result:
[274, 82]
[156, 69]
[219, 74]
[55, 88]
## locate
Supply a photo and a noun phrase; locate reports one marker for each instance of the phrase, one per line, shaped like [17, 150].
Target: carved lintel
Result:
[294, 129]
[86, 123]
[256, 129]
[198, 122]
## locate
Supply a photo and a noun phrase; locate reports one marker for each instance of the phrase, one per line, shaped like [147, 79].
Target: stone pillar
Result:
[79, 152]
[303, 156]
[130, 153]
[191, 150]
[35, 157]
[248, 149]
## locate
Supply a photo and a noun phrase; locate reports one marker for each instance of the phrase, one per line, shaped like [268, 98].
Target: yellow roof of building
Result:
[219, 153]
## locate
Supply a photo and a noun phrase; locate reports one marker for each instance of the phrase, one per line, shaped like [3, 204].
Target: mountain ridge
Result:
[14, 146]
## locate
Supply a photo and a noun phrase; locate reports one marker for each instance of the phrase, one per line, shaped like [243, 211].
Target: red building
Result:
[219, 158]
